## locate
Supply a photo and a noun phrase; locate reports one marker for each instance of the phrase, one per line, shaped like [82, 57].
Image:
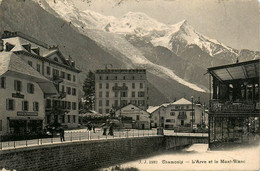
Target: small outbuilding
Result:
[140, 118]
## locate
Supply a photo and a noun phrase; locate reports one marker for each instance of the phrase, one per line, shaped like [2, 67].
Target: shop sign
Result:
[18, 95]
[27, 113]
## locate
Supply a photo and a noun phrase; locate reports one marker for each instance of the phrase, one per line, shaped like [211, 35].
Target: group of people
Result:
[90, 126]
[110, 127]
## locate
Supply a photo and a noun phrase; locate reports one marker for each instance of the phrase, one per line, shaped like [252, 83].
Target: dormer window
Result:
[27, 47]
[8, 47]
[56, 59]
[36, 51]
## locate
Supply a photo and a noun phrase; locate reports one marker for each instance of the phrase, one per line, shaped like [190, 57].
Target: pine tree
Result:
[89, 91]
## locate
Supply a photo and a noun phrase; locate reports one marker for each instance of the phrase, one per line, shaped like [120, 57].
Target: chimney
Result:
[68, 61]
[73, 64]
[1, 45]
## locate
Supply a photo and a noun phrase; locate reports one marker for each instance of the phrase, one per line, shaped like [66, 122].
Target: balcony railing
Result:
[218, 106]
[182, 116]
[118, 88]
[62, 95]
[57, 79]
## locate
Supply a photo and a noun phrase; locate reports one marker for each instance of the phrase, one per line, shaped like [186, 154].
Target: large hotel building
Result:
[115, 88]
[38, 85]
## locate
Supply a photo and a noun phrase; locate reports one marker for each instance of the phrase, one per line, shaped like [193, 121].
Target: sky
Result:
[232, 22]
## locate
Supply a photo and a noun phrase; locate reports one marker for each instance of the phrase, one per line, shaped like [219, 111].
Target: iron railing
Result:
[218, 106]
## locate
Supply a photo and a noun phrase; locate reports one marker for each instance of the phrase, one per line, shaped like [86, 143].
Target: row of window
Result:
[69, 90]
[70, 118]
[10, 105]
[18, 85]
[141, 85]
[61, 74]
[122, 102]
[55, 72]
[181, 107]
[61, 104]
[30, 87]
[123, 94]
[119, 78]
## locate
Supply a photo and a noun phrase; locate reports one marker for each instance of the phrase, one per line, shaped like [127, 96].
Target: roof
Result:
[20, 41]
[151, 109]
[12, 65]
[182, 101]
[242, 70]
[8, 34]
[130, 105]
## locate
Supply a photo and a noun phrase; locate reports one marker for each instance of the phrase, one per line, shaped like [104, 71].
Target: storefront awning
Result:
[242, 70]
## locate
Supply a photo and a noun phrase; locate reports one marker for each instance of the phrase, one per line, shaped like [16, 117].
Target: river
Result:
[197, 157]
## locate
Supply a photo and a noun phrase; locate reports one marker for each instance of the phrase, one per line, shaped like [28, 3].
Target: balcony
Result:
[56, 110]
[62, 95]
[119, 88]
[57, 79]
[218, 107]
[182, 116]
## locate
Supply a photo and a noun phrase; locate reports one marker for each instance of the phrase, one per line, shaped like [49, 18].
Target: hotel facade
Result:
[116, 88]
[39, 86]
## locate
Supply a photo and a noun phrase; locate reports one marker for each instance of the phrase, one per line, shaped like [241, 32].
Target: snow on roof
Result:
[11, 62]
[151, 109]
[182, 101]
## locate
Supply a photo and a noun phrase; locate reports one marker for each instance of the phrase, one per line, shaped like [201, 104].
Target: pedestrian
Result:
[89, 126]
[104, 129]
[94, 127]
[62, 134]
[111, 129]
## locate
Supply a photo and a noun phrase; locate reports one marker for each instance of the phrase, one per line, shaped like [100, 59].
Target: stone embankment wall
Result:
[178, 142]
[87, 155]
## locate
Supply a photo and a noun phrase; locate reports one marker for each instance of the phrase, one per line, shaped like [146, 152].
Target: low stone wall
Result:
[84, 155]
[88, 155]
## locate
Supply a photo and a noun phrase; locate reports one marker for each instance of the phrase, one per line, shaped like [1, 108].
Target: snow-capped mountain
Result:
[87, 20]
[175, 37]
[170, 53]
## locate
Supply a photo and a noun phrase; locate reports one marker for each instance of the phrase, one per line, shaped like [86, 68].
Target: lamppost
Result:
[192, 113]
[159, 116]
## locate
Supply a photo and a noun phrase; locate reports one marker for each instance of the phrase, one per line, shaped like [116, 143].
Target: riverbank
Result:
[197, 157]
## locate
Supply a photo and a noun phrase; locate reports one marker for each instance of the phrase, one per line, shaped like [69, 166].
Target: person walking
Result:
[104, 125]
[111, 129]
[62, 134]
[94, 127]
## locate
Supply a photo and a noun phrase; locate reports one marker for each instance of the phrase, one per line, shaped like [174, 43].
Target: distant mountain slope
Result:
[29, 18]
[175, 56]
[83, 22]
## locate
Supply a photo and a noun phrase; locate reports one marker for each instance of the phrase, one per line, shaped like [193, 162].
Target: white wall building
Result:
[56, 96]
[176, 114]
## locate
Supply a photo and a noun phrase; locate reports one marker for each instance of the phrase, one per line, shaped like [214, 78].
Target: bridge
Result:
[89, 154]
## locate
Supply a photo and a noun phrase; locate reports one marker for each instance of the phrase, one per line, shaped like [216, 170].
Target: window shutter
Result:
[15, 84]
[23, 105]
[7, 104]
